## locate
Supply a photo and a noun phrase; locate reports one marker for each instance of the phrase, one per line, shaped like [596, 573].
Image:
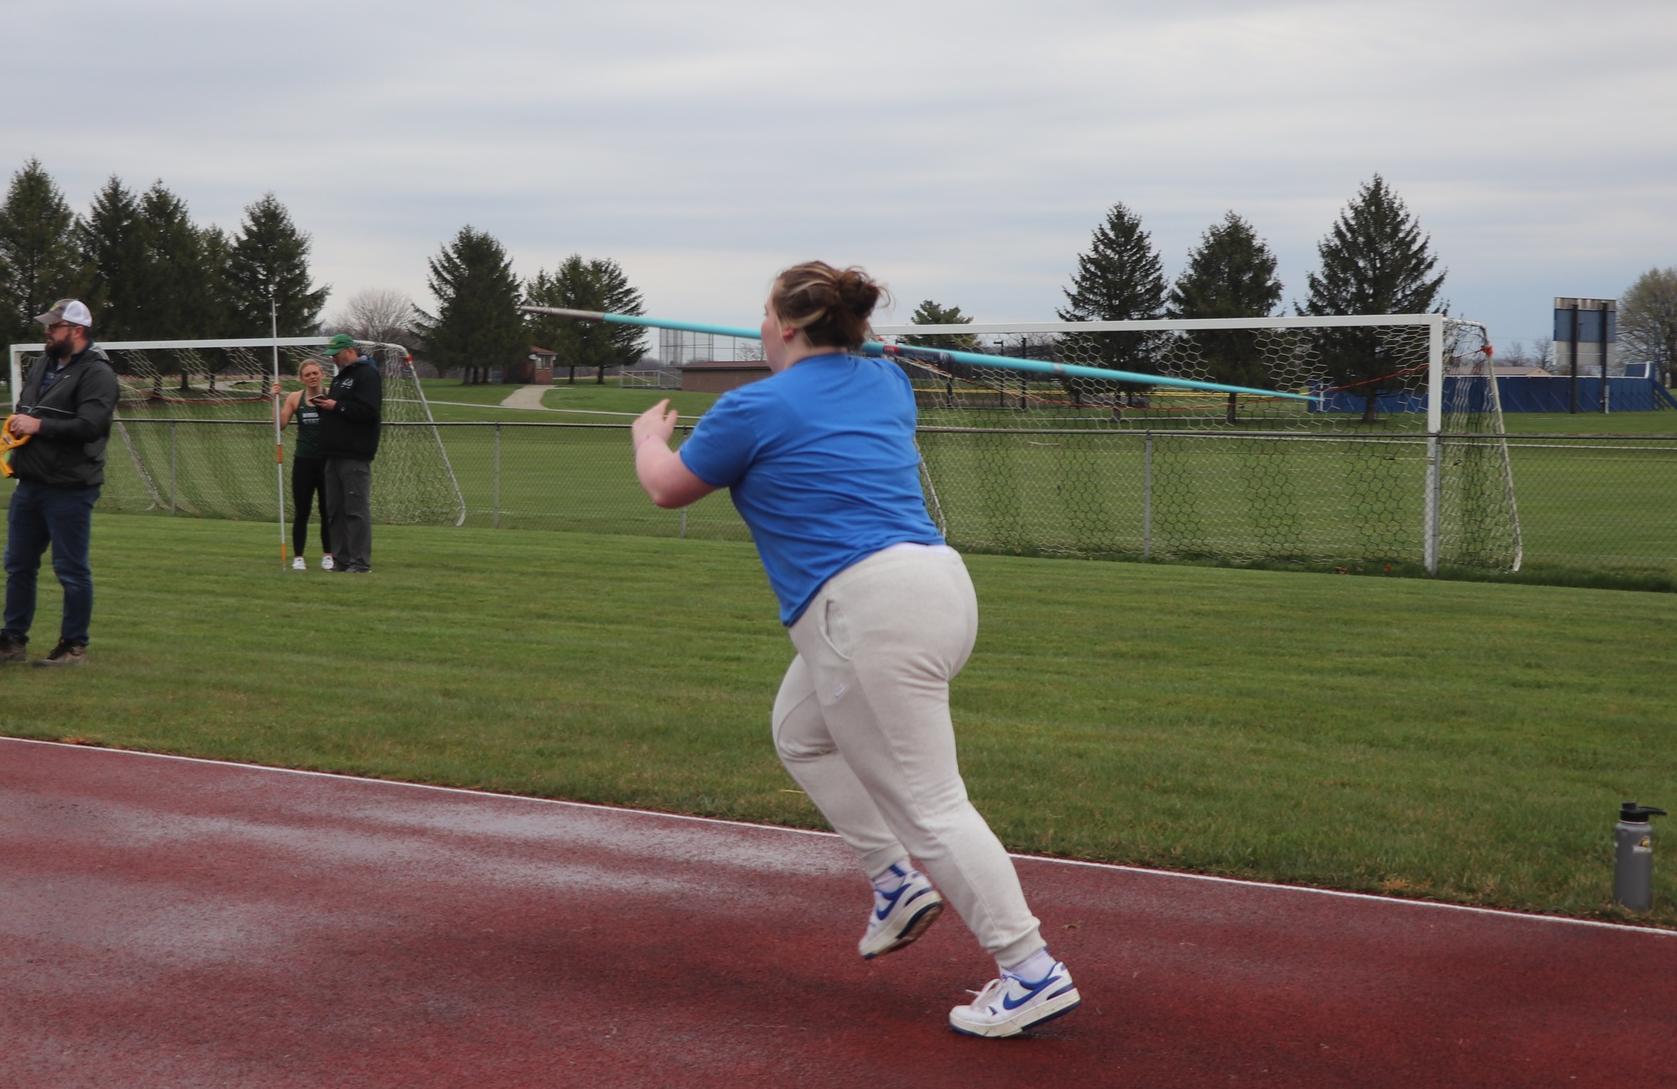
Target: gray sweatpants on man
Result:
[349, 494]
[862, 723]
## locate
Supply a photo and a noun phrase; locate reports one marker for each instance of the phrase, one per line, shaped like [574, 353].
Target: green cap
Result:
[339, 343]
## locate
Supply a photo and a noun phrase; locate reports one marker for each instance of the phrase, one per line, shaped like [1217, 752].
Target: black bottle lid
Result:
[1631, 813]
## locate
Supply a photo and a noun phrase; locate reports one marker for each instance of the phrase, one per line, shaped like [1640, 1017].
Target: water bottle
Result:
[1633, 864]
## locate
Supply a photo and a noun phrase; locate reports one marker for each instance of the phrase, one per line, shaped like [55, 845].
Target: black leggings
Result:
[308, 479]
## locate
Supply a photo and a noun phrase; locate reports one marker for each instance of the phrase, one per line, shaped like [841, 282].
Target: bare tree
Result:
[1520, 353]
[377, 314]
[1648, 322]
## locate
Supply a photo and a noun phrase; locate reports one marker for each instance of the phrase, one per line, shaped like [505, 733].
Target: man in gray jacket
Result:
[62, 422]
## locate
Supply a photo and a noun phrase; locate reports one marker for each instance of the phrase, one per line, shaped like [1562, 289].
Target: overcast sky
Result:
[962, 152]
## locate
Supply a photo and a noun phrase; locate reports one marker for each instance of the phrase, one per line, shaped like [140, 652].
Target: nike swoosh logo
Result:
[1031, 991]
[891, 899]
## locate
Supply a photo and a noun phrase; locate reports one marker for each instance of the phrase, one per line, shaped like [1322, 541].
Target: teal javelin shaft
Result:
[875, 348]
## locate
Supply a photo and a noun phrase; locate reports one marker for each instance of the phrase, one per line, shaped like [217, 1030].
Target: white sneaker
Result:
[299, 564]
[1008, 1006]
[896, 920]
[326, 563]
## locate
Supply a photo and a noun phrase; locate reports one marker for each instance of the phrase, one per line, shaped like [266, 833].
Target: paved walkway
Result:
[179, 923]
[525, 397]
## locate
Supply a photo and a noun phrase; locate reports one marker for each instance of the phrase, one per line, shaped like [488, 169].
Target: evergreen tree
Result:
[1230, 274]
[171, 297]
[269, 258]
[477, 324]
[930, 312]
[217, 251]
[113, 258]
[1375, 260]
[38, 259]
[598, 285]
[1120, 278]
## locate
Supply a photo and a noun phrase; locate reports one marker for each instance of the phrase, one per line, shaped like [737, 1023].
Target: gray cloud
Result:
[964, 152]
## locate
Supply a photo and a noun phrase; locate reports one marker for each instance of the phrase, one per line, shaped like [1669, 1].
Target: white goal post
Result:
[1398, 456]
[194, 429]
[1048, 332]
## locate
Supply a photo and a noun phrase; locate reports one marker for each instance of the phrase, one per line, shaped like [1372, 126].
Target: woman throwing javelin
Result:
[820, 461]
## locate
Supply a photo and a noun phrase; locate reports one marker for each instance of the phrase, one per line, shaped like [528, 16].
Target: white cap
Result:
[73, 311]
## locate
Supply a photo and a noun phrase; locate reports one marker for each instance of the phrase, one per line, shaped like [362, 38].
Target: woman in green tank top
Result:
[308, 468]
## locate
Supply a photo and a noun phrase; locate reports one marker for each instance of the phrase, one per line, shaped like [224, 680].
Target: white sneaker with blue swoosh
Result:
[1010, 1005]
[900, 916]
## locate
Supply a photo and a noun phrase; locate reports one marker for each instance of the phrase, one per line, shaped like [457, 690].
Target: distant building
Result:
[535, 370]
[1514, 370]
[720, 375]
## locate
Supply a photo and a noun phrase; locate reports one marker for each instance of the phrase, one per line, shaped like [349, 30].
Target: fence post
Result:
[681, 521]
[1433, 488]
[1147, 496]
[171, 466]
[495, 481]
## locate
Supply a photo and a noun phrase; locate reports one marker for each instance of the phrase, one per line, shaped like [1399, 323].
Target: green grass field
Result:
[589, 397]
[1593, 510]
[1652, 424]
[1462, 741]
[584, 402]
[1587, 509]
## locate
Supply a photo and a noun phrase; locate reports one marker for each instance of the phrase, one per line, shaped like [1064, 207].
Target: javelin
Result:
[930, 355]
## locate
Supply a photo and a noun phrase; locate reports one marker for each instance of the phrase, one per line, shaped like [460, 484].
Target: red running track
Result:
[178, 923]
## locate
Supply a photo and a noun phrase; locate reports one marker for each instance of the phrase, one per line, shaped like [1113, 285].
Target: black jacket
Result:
[75, 416]
[351, 429]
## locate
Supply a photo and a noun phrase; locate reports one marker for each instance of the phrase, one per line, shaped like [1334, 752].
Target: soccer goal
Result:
[1397, 456]
[194, 430]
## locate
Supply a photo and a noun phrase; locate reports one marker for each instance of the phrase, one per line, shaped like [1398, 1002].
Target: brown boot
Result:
[12, 650]
[65, 654]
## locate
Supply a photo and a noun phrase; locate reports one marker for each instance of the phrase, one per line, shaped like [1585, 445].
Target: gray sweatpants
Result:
[862, 723]
[349, 494]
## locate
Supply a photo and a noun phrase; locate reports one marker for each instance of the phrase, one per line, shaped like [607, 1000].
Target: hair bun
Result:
[857, 291]
[828, 305]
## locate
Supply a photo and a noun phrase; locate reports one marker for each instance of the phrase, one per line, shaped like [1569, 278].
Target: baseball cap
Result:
[338, 343]
[73, 311]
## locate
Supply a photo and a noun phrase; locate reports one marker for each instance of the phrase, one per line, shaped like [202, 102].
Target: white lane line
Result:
[1112, 867]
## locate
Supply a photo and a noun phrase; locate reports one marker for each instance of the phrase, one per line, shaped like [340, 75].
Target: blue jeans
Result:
[43, 514]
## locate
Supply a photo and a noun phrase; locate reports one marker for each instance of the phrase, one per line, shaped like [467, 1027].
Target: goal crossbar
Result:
[1160, 325]
[175, 460]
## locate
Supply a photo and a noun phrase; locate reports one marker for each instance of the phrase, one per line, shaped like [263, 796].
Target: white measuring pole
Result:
[279, 440]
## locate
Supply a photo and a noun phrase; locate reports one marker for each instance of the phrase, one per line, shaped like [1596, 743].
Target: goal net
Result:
[1397, 455]
[194, 430]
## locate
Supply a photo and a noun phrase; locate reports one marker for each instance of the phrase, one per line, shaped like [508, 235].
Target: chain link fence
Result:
[1597, 504]
[1584, 506]
[1587, 505]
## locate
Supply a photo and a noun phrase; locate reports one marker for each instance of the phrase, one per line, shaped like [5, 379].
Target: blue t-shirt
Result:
[820, 462]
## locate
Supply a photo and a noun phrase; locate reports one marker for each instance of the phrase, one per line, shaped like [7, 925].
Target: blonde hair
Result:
[829, 306]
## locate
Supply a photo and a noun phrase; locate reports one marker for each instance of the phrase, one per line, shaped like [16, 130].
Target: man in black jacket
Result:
[63, 416]
[349, 431]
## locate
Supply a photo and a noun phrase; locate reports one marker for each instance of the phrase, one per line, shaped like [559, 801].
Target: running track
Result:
[176, 923]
